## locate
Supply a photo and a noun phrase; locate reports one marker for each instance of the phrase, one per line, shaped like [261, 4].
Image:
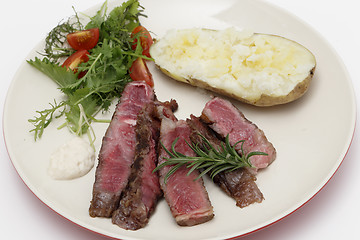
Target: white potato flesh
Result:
[239, 63]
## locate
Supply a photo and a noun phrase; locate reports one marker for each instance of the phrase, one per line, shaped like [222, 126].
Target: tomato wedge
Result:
[140, 72]
[145, 39]
[75, 59]
[83, 40]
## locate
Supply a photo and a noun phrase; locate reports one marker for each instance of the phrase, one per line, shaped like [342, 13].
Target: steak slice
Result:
[117, 151]
[188, 199]
[143, 190]
[239, 184]
[225, 119]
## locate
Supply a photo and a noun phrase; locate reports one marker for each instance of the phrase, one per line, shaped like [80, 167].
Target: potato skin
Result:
[298, 91]
[264, 100]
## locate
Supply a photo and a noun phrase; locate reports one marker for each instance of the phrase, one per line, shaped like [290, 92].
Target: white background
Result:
[331, 214]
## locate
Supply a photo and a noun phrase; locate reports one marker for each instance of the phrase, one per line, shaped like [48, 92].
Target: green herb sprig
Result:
[45, 117]
[55, 47]
[209, 159]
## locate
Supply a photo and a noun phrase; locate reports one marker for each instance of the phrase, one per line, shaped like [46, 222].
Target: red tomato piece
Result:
[140, 72]
[145, 39]
[83, 40]
[75, 59]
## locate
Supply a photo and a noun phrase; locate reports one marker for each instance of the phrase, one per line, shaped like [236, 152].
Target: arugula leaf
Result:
[98, 18]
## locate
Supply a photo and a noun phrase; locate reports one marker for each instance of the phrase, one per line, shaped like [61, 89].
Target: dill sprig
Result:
[55, 42]
[209, 160]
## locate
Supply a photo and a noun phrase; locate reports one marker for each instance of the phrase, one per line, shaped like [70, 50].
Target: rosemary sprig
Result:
[209, 159]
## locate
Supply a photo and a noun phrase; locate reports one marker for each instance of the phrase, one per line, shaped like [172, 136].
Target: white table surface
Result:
[331, 214]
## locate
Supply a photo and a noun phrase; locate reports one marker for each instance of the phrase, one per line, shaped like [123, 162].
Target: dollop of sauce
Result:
[72, 160]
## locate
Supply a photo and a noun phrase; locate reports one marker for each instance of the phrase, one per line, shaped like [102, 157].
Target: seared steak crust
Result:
[240, 185]
[143, 190]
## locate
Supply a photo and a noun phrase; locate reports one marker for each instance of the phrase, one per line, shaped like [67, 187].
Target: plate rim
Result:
[317, 191]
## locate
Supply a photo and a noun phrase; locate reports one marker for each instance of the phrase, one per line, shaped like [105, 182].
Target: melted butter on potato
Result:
[259, 69]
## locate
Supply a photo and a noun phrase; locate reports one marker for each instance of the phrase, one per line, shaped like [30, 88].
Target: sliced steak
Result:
[188, 199]
[239, 184]
[117, 151]
[225, 119]
[143, 190]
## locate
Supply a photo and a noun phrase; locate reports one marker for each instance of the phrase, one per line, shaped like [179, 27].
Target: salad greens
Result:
[106, 71]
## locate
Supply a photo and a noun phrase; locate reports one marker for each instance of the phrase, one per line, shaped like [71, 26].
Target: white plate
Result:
[311, 135]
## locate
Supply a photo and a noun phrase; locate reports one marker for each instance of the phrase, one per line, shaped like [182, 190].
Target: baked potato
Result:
[258, 69]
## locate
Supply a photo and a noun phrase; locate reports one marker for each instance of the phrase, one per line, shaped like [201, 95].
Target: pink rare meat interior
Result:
[143, 190]
[117, 150]
[188, 199]
[225, 119]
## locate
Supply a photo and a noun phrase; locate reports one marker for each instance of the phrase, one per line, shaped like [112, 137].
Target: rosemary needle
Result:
[210, 160]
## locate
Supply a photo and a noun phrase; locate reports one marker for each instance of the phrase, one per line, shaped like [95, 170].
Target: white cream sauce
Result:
[72, 160]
